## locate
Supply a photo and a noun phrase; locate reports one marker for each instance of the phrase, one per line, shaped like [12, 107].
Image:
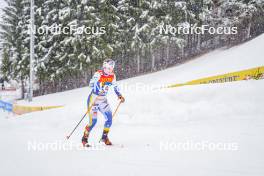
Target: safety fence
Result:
[6, 106]
[254, 73]
[18, 109]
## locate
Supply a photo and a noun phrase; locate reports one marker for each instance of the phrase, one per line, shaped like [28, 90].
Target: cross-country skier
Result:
[100, 83]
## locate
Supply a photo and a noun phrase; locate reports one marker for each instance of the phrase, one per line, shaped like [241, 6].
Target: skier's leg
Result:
[107, 112]
[92, 118]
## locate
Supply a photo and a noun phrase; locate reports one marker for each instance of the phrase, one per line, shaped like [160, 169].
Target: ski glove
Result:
[122, 99]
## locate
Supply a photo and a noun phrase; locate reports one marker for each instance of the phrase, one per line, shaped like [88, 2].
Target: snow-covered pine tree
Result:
[98, 19]
[41, 47]
[82, 15]
[15, 39]
[5, 68]
[137, 25]
[109, 19]
[174, 14]
[54, 56]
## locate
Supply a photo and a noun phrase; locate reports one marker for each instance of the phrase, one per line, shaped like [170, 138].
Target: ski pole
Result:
[116, 109]
[88, 111]
[68, 137]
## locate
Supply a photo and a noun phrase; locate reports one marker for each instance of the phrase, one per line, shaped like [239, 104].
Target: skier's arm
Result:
[94, 82]
[117, 90]
[115, 86]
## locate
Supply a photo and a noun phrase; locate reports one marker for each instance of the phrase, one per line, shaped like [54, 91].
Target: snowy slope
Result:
[230, 115]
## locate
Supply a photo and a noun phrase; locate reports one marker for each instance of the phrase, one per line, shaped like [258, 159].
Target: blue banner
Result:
[6, 106]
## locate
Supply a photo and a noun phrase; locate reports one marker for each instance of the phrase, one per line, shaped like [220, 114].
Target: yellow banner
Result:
[17, 109]
[254, 73]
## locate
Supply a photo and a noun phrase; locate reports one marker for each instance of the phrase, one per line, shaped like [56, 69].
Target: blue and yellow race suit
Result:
[100, 84]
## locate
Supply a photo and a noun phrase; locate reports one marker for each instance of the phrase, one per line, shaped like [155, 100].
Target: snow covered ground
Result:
[202, 130]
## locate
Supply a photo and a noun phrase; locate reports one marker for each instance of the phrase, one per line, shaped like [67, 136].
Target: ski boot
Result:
[105, 138]
[85, 137]
[85, 142]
